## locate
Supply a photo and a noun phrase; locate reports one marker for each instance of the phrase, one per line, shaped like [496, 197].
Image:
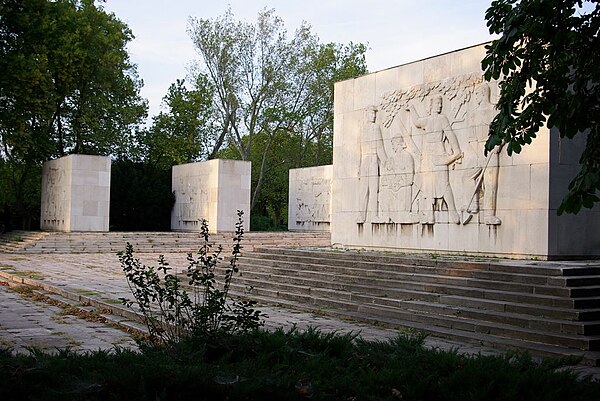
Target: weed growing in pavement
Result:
[173, 310]
[16, 238]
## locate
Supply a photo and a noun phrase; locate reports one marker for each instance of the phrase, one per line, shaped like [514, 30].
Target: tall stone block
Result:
[309, 206]
[213, 190]
[409, 170]
[76, 193]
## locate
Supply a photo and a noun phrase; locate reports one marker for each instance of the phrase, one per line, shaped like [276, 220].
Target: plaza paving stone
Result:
[26, 324]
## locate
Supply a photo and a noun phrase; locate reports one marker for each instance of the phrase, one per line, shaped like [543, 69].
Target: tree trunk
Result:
[219, 142]
[261, 176]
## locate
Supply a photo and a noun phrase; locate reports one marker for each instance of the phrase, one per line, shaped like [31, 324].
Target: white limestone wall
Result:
[309, 206]
[213, 190]
[400, 180]
[76, 193]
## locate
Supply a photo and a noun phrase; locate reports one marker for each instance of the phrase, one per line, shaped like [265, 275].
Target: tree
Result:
[552, 47]
[323, 66]
[66, 86]
[266, 84]
[184, 133]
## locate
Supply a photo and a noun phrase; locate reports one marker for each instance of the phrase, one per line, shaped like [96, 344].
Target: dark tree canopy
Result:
[548, 61]
[184, 132]
[66, 86]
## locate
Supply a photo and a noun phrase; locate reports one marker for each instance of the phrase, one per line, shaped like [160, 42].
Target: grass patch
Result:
[287, 366]
[113, 301]
[94, 315]
[90, 293]
[29, 274]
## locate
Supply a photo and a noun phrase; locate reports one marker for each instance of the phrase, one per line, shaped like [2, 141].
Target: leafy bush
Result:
[265, 223]
[170, 312]
[287, 365]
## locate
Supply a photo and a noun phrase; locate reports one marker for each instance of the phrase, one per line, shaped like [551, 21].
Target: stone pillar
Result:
[213, 190]
[76, 193]
[309, 206]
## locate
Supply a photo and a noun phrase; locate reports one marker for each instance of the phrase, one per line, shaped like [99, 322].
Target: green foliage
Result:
[66, 86]
[266, 223]
[184, 133]
[171, 313]
[286, 366]
[547, 58]
[273, 96]
[20, 186]
[140, 197]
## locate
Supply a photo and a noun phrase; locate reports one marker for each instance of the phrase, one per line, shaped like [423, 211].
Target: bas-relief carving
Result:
[192, 202]
[481, 179]
[372, 156]
[55, 196]
[439, 150]
[396, 185]
[312, 201]
[410, 183]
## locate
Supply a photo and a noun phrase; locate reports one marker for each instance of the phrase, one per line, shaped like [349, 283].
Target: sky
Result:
[395, 31]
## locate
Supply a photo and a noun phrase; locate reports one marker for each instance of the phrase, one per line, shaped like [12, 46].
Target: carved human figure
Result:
[481, 182]
[303, 210]
[439, 150]
[397, 177]
[321, 196]
[54, 209]
[184, 200]
[372, 154]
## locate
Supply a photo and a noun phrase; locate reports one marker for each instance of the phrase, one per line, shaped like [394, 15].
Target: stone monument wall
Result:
[409, 171]
[76, 193]
[309, 206]
[213, 190]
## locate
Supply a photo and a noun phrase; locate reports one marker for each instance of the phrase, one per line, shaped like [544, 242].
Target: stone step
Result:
[390, 278]
[379, 268]
[399, 288]
[591, 358]
[15, 241]
[439, 305]
[381, 259]
[382, 314]
[164, 242]
[387, 270]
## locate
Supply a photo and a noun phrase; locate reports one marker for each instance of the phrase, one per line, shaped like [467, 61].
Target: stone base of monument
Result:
[309, 206]
[545, 308]
[149, 242]
[212, 190]
[76, 193]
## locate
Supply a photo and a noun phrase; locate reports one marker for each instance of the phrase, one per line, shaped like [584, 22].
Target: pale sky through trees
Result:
[396, 31]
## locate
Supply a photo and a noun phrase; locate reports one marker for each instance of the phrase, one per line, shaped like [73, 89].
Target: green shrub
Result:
[170, 312]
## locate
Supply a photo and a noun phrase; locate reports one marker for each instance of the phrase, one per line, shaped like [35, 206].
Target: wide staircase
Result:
[148, 242]
[18, 240]
[546, 308]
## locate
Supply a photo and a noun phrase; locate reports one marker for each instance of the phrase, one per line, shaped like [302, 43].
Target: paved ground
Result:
[25, 322]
